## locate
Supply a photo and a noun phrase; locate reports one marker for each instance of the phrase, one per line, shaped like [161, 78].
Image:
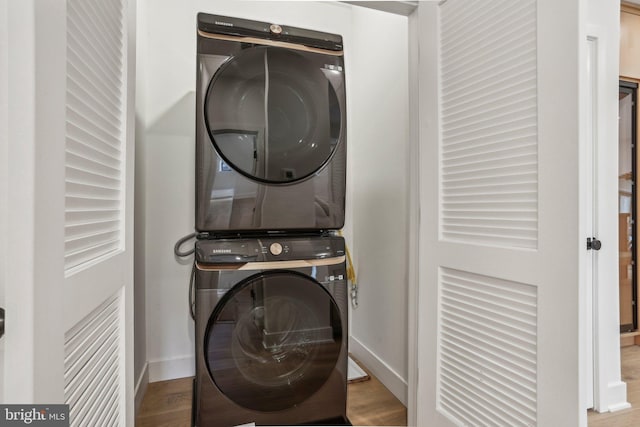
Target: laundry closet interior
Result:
[376, 218]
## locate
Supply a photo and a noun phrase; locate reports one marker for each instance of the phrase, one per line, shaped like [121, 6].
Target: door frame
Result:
[4, 162]
[599, 171]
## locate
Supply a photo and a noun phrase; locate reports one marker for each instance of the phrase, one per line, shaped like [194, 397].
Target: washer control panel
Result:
[265, 249]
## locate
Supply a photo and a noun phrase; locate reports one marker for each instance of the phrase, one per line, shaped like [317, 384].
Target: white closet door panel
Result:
[92, 366]
[489, 128]
[98, 174]
[95, 131]
[499, 210]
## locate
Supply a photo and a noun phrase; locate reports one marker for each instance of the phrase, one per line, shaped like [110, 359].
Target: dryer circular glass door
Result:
[273, 340]
[273, 115]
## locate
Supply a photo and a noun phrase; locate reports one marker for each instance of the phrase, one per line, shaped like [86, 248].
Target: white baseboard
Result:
[141, 386]
[387, 376]
[170, 369]
[618, 396]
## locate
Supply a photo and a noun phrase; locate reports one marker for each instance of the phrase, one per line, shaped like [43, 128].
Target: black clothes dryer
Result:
[270, 127]
[271, 332]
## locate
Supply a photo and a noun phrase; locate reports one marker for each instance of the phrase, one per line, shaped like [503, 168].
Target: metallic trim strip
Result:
[275, 43]
[272, 265]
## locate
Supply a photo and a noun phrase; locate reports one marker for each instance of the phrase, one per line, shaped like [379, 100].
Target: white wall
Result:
[379, 193]
[140, 366]
[376, 70]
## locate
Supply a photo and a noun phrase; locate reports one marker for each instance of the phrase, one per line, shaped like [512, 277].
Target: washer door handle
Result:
[1, 322]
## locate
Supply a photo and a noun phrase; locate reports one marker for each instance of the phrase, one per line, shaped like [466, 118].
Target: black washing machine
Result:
[271, 331]
[270, 127]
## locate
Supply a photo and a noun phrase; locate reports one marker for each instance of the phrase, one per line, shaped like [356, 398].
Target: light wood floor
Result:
[168, 404]
[631, 375]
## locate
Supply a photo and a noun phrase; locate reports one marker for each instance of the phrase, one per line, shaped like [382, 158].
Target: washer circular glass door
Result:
[273, 340]
[272, 115]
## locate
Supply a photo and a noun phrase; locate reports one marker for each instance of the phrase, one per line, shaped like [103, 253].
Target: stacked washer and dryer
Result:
[270, 278]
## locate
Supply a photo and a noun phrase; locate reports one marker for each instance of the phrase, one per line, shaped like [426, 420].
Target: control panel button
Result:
[275, 28]
[275, 248]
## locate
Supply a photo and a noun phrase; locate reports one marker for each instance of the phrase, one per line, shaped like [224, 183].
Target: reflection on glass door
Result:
[627, 206]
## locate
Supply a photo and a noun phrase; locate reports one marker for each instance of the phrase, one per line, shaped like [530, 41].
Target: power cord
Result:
[179, 243]
[192, 299]
[192, 276]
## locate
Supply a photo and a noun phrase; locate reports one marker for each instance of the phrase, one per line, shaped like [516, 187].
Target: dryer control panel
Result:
[237, 27]
[268, 249]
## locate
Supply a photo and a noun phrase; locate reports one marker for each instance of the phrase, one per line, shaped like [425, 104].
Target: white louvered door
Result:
[98, 207]
[498, 311]
[69, 251]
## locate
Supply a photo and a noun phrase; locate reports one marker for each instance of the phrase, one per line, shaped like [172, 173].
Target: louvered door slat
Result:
[481, 104]
[506, 188]
[88, 21]
[92, 153]
[83, 61]
[77, 135]
[91, 253]
[506, 391]
[78, 341]
[88, 177]
[95, 167]
[488, 349]
[473, 65]
[82, 68]
[95, 130]
[87, 346]
[80, 217]
[93, 108]
[506, 397]
[93, 365]
[458, 17]
[88, 190]
[520, 142]
[77, 230]
[496, 113]
[101, 417]
[496, 333]
[87, 203]
[81, 119]
[461, 46]
[97, 390]
[489, 123]
[85, 383]
[519, 118]
[113, 15]
[104, 93]
[501, 373]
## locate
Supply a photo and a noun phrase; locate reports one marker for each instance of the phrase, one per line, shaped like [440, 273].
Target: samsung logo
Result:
[221, 251]
[226, 24]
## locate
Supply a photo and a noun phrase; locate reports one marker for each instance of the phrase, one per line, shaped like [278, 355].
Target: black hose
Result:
[192, 302]
[179, 253]
[179, 243]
